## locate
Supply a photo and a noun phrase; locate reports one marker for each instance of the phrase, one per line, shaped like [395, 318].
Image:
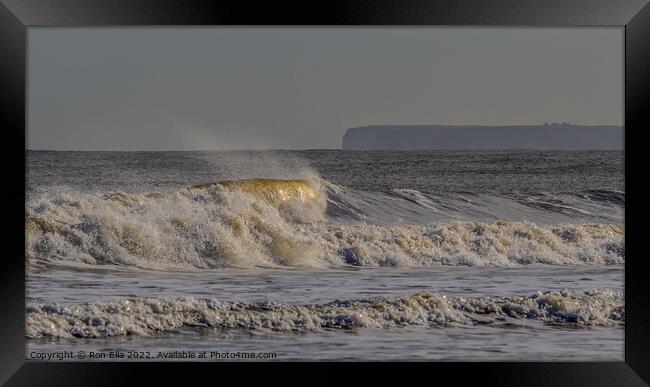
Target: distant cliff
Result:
[467, 137]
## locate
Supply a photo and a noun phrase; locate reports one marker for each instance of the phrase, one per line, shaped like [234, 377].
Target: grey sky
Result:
[295, 88]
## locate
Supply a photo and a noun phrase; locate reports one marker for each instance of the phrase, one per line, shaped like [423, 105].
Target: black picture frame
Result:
[17, 15]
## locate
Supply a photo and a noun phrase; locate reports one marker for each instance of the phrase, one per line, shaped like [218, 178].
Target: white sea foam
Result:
[148, 316]
[230, 226]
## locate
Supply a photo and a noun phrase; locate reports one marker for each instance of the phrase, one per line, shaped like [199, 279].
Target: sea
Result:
[325, 255]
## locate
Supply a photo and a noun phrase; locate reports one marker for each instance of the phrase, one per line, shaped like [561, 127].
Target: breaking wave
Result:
[149, 316]
[262, 222]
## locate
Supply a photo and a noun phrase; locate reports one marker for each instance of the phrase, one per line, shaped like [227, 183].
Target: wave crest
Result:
[148, 316]
[275, 222]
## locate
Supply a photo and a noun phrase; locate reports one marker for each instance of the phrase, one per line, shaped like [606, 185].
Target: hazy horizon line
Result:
[322, 149]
